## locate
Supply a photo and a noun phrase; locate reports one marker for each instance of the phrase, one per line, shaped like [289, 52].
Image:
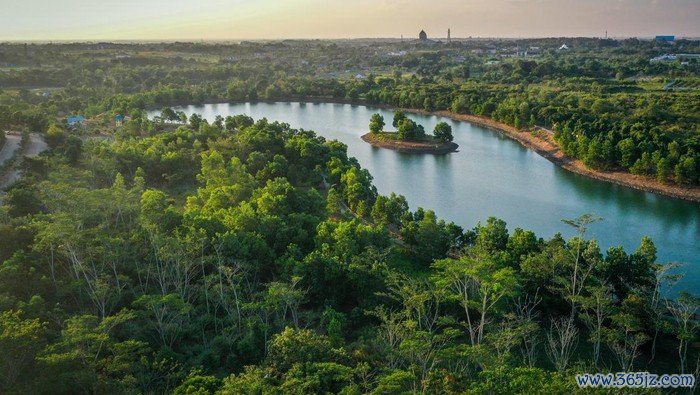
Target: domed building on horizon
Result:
[423, 36]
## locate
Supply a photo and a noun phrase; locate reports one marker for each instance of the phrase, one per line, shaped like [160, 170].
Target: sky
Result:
[54, 20]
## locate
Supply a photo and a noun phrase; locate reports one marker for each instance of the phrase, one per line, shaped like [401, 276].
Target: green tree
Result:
[663, 170]
[253, 380]
[318, 378]
[20, 341]
[335, 322]
[55, 136]
[334, 202]
[409, 130]
[686, 328]
[625, 335]
[195, 121]
[376, 123]
[596, 307]
[443, 131]
[293, 346]
[685, 170]
[168, 114]
[460, 105]
[582, 261]
[165, 315]
[285, 299]
[521, 244]
[643, 165]
[477, 285]
[429, 237]
[395, 382]
[197, 383]
[399, 116]
[389, 210]
[88, 356]
[522, 380]
[428, 104]
[73, 149]
[493, 236]
[595, 156]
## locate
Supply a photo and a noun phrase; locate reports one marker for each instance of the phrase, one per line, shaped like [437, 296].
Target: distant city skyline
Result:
[60, 20]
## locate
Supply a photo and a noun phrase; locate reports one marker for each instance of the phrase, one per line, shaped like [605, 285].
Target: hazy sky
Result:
[250, 19]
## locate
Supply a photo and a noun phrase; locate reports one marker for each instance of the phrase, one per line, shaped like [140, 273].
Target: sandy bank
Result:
[543, 143]
[410, 147]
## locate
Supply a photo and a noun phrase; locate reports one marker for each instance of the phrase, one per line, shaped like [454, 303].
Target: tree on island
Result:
[398, 117]
[443, 132]
[409, 130]
[376, 123]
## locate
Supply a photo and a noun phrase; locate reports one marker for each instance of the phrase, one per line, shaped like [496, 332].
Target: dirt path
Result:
[35, 146]
[11, 145]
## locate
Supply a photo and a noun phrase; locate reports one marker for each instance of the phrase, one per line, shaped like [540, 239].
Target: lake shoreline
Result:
[542, 143]
[410, 147]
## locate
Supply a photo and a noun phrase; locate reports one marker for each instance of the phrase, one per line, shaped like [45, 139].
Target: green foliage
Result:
[55, 136]
[357, 187]
[478, 285]
[523, 380]
[430, 238]
[389, 210]
[20, 341]
[198, 384]
[409, 130]
[686, 171]
[376, 123]
[606, 102]
[183, 251]
[253, 380]
[291, 347]
[493, 236]
[396, 382]
[443, 132]
[399, 116]
[88, 356]
[663, 170]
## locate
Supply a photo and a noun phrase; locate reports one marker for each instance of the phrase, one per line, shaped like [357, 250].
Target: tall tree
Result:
[478, 285]
[443, 132]
[683, 310]
[399, 116]
[376, 123]
[581, 269]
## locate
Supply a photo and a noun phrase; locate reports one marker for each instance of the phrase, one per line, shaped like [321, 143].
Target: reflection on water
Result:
[492, 175]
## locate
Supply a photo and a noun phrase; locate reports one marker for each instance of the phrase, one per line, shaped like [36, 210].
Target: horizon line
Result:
[199, 40]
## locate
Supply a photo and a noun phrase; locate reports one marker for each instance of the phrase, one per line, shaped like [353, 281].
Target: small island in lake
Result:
[410, 137]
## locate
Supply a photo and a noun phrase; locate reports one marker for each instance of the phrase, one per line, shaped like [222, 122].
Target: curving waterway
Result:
[492, 175]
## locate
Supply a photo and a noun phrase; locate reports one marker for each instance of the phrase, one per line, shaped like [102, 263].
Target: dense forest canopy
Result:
[248, 257]
[243, 256]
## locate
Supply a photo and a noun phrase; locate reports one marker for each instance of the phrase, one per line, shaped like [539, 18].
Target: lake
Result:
[492, 175]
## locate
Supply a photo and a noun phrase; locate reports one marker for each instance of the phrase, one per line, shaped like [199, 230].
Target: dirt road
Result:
[35, 146]
[11, 145]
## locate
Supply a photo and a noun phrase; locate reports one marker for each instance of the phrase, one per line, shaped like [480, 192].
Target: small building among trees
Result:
[75, 120]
